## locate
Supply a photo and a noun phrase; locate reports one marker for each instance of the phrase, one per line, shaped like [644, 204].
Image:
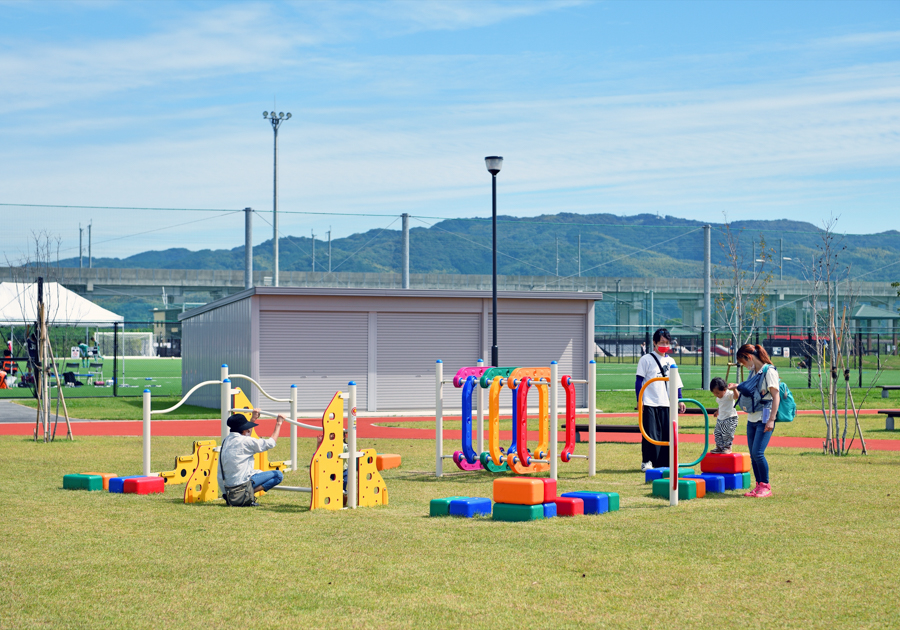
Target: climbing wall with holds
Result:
[326, 470]
[372, 489]
[203, 484]
[185, 465]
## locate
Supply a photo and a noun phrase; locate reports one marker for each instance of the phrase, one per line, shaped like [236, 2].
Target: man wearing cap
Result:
[238, 449]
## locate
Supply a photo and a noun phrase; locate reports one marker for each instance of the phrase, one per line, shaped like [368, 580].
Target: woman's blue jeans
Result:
[758, 440]
[267, 480]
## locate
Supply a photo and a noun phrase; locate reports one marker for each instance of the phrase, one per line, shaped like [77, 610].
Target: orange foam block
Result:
[726, 464]
[519, 491]
[106, 477]
[701, 486]
[386, 461]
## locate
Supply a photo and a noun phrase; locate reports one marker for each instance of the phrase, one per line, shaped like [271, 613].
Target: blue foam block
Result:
[714, 483]
[116, 484]
[734, 481]
[653, 474]
[549, 510]
[470, 507]
[594, 502]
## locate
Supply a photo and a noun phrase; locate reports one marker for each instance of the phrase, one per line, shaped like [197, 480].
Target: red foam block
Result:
[144, 485]
[549, 490]
[569, 506]
[726, 463]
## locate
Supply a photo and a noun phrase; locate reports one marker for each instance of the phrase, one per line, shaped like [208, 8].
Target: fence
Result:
[119, 360]
[870, 354]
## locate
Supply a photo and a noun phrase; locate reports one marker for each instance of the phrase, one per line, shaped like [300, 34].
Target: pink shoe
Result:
[753, 493]
[765, 490]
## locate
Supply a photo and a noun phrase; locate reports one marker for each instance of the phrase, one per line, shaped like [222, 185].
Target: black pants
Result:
[656, 424]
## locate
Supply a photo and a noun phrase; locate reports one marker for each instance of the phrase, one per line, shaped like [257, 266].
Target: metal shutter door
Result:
[536, 340]
[320, 352]
[409, 344]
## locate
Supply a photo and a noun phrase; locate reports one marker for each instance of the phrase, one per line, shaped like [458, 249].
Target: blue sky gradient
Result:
[694, 109]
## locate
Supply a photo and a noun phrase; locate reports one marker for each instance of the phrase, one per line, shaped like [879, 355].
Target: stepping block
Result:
[144, 485]
[469, 507]
[594, 502]
[519, 491]
[737, 481]
[106, 477]
[730, 463]
[82, 482]
[549, 510]
[441, 507]
[518, 512]
[663, 473]
[569, 506]
[549, 489]
[687, 489]
[613, 498]
[714, 483]
[386, 461]
[116, 484]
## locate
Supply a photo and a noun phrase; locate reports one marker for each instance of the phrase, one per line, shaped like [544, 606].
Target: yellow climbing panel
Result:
[261, 461]
[372, 490]
[185, 465]
[326, 470]
[203, 484]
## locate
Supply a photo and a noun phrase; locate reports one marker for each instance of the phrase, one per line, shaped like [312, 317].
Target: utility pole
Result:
[780, 259]
[329, 249]
[276, 120]
[90, 256]
[579, 254]
[313, 250]
[557, 257]
[707, 316]
[404, 275]
[80, 248]
[248, 248]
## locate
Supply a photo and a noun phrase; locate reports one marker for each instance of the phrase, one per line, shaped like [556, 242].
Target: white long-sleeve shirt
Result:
[236, 456]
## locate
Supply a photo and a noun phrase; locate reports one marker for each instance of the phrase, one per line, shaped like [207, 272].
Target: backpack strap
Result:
[662, 370]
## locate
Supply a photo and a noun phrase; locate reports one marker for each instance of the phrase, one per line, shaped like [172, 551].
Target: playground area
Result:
[299, 558]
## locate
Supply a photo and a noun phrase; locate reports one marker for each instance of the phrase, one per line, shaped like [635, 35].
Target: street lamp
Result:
[494, 163]
[276, 120]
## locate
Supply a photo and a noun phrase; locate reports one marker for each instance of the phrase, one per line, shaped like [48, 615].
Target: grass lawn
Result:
[816, 555]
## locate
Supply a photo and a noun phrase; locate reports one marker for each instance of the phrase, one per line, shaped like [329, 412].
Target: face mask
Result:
[663, 349]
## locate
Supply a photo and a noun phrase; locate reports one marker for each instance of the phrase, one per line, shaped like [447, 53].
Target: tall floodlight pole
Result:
[494, 163]
[707, 306]
[276, 120]
[80, 249]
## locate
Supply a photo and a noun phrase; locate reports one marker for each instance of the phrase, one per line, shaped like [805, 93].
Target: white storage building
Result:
[386, 340]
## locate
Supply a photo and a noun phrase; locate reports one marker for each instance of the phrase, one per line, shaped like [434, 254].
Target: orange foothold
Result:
[386, 461]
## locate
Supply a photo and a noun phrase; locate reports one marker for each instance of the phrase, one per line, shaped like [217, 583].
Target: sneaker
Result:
[646, 466]
[717, 451]
[765, 490]
[753, 492]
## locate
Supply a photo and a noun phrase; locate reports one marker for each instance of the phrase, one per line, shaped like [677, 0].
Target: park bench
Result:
[887, 388]
[890, 414]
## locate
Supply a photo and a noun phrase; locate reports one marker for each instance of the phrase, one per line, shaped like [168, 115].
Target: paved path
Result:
[371, 428]
[10, 412]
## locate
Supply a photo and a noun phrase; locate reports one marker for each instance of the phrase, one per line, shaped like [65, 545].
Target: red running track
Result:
[370, 428]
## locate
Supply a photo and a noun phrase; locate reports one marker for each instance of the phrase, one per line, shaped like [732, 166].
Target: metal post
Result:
[352, 467]
[859, 356]
[707, 307]
[115, 358]
[495, 358]
[275, 203]
[592, 418]
[673, 435]
[439, 418]
[554, 419]
[80, 248]
[146, 448]
[780, 260]
[651, 308]
[405, 272]
[329, 249]
[248, 248]
[579, 254]
[313, 238]
[225, 402]
[293, 427]
[480, 421]
[90, 255]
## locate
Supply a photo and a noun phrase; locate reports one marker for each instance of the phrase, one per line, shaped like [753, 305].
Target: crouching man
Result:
[236, 458]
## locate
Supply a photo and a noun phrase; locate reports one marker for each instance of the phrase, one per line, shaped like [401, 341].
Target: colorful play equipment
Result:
[365, 486]
[517, 457]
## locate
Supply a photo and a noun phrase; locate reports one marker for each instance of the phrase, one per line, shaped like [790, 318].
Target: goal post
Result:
[130, 344]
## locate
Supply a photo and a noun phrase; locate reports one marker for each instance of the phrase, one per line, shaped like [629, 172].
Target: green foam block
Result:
[681, 471]
[510, 512]
[613, 500]
[82, 482]
[687, 489]
[746, 476]
[441, 507]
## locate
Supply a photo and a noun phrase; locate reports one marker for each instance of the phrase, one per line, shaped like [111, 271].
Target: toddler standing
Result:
[726, 416]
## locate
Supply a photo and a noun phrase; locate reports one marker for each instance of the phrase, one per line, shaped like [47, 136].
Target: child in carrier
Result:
[726, 415]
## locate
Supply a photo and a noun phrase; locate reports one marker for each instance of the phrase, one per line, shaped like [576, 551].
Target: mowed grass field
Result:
[821, 553]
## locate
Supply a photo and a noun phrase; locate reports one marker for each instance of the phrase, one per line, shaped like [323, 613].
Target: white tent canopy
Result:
[18, 305]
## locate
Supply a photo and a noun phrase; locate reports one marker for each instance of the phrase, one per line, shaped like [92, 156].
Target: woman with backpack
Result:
[760, 398]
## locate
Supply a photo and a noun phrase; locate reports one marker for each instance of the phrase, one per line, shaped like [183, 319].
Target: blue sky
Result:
[761, 110]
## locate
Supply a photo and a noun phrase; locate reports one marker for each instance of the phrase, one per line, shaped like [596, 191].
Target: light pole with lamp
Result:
[276, 120]
[494, 163]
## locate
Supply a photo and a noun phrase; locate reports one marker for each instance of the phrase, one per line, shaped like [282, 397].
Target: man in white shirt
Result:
[238, 449]
[655, 418]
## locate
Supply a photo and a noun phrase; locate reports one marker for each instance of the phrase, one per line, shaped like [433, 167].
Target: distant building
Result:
[167, 331]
